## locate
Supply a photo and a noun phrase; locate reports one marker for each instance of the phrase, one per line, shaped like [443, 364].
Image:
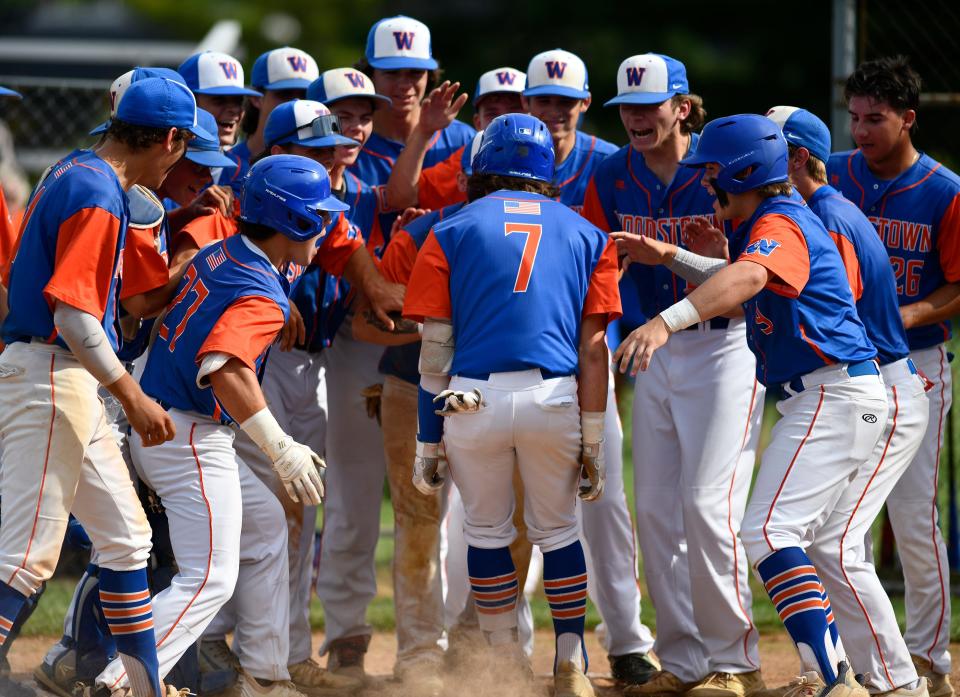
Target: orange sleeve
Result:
[244, 330]
[144, 268]
[948, 241]
[8, 233]
[850, 262]
[203, 230]
[428, 292]
[592, 208]
[399, 258]
[437, 186]
[777, 244]
[603, 293]
[337, 247]
[83, 267]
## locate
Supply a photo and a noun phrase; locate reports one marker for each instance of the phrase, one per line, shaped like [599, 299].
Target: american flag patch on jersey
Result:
[522, 207]
[215, 259]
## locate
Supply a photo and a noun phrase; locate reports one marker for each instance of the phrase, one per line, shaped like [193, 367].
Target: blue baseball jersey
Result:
[234, 176]
[624, 194]
[231, 300]
[917, 215]
[404, 361]
[804, 318]
[515, 272]
[324, 298]
[72, 236]
[868, 271]
[376, 160]
[574, 173]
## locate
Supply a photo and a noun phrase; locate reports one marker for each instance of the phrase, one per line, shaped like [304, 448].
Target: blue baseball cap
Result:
[304, 122]
[343, 83]
[212, 72]
[204, 151]
[120, 85]
[803, 130]
[399, 43]
[557, 72]
[7, 92]
[284, 68]
[650, 78]
[161, 103]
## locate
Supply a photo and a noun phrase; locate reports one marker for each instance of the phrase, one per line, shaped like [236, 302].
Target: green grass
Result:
[48, 619]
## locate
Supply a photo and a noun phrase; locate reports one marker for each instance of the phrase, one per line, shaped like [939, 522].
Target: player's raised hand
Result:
[440, 108]
[640, 345]
[704, 239]
[402, 220]
[386, 298]
[212, 199]
[643, 250]
[151, 421]
[294, 331]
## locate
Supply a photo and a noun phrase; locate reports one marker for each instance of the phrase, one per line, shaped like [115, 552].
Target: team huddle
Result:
[444, 307]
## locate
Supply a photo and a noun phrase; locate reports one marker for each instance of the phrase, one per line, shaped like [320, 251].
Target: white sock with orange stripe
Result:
[127, 608]
[565, 583]
[493, 579]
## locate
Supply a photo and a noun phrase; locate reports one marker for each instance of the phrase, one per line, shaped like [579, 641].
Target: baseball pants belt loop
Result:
[715, 323]
[830, 374]
[515, 379]
[898, 370]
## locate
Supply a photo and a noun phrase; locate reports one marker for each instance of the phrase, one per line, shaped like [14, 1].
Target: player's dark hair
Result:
[255, 231]
[889, 79]
[815, 167]
[141, 137]
[698, 115]
[776, 189]
[480, 185]
[434, 77]
[251, 117]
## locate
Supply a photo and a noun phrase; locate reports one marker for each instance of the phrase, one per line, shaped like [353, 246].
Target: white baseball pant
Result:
[59, 455]
[696, 424]
[201, 482]
[864, 615]
[530, 423]
[347, 580]
[912, 508]
[295, 389]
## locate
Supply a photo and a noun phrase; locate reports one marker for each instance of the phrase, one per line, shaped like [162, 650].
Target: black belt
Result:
[545, 374]
[715, 323]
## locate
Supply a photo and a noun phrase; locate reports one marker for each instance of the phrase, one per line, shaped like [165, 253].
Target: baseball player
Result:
[64, 334]
[863, 610]
[497, 92]
[216, 80]
[505, 396]
[695, 567]
[8, 231]
[558, 93]
[803, 327]
[205, 368]
[399, 60]
[281, 75]
[912, 201]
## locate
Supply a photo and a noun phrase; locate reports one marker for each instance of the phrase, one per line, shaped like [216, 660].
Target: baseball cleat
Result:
[807, 685]
[251, 687]
[215, 655]
[938, 684]
[346, 656]
[313, 680]
[632, 668]
[921, 690]
[570, 681]
[663, 682]
[728, 685]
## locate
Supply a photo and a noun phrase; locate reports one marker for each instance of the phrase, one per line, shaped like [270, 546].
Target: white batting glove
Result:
[593, 468]
[429, 468]
[299, 469]
[457, 402]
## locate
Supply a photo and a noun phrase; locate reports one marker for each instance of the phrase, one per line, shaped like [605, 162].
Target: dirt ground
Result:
[777, 654]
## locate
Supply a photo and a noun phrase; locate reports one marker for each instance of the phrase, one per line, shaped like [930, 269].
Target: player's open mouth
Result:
[641, 133]
[227, 125]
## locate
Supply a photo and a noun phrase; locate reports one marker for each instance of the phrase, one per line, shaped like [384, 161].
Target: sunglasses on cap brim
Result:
[321, 127]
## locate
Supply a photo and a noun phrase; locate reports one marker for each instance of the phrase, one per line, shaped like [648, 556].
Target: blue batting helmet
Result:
[742, 142]
[290, 194]
[516, 145]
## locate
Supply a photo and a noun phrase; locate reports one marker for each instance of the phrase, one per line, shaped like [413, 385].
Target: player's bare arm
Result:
[384, 297]
[939, 306]
[437, 111]
[720, 294]
[364, 329]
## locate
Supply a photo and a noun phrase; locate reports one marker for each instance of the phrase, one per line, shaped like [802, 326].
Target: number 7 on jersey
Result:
[530, 247]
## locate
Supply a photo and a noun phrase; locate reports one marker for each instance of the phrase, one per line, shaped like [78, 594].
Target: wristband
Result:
[591, 426]
[680, 315]
[264, 430]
